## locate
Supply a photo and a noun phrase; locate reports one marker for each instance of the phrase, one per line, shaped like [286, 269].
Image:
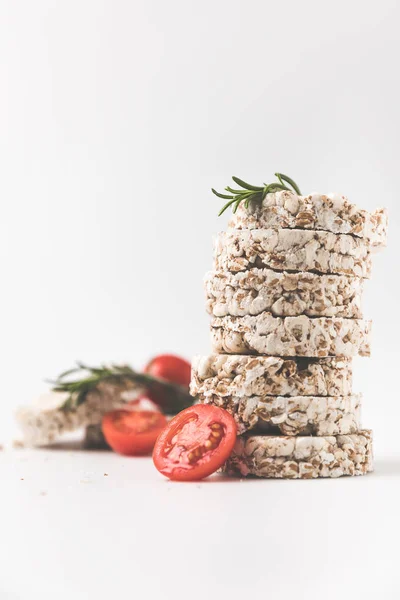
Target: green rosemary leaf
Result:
[236, 205]
[227, 205]
[290, 181]
[81, 397]
[247, 202]
[94, 371]
[273, 187]
[68, 404]
[236, 192]
[220, 195]
[69, 372]
[252, 198]
[253, 193]
[245, 185]
[243, 193]
[122, 377]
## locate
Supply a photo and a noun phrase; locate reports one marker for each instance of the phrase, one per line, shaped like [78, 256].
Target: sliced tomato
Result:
[171, 368]
[132, 432]
[195, 443]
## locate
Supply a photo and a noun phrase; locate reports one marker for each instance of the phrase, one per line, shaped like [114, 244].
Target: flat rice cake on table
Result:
[284, 294]
[331, 212]
[290, 336]
[240, 375]
[292, 250]
[292, 415]
[285, 457]
[45, 421]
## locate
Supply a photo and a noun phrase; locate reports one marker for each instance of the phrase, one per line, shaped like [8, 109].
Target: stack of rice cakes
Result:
[285, 302]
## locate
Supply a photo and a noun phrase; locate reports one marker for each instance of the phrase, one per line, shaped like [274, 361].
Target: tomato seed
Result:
[215, 426]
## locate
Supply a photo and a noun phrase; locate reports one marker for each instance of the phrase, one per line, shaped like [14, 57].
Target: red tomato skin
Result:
[132, 443]
[171, 368]
[211, 461]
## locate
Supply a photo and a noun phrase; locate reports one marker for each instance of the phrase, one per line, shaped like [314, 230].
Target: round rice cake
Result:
[284, 294]
[292, 415]
[327, 212]
[290, 336]
[50, 417]
[240, 375]
[292, 250]
[291, 457]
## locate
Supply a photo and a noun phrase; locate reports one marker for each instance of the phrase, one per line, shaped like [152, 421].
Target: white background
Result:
[116, 118]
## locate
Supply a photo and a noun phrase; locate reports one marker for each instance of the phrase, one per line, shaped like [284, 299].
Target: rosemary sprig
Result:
[253, 193]
[88, 379]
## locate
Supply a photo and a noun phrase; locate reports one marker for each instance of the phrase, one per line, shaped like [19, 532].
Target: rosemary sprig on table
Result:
[82, 379]
[253, 193]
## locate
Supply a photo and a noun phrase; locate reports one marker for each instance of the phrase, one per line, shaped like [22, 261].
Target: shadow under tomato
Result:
[73, 445]
[218, 478]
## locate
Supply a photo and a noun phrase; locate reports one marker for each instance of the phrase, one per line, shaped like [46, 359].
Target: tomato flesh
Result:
[132, 432]
[195, 443]
[171, 368]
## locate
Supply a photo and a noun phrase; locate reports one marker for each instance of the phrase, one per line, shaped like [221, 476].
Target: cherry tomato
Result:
[195, 443]
[170, 367]
[132, 432]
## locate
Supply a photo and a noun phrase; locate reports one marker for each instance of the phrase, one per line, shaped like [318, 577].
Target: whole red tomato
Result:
[171, 368]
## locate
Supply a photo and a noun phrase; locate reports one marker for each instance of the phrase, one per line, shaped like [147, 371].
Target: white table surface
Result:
[89, 524]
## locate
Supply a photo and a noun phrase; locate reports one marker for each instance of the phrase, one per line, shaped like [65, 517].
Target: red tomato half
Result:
[171, 368]
[132, 432]
[195, 443]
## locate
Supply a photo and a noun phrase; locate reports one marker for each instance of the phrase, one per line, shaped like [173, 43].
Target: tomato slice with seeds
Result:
[195, 443]
[132, 432]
